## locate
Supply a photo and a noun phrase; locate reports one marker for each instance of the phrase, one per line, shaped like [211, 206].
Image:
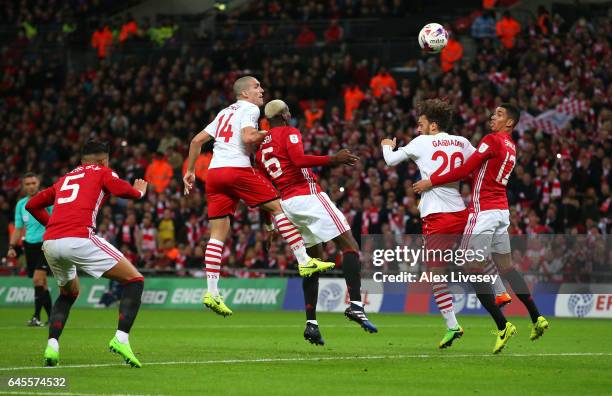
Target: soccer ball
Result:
[433, 37]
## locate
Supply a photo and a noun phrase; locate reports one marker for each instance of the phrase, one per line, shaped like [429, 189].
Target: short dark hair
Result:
[93, 146]
[438, 111]
[512, 111]
[29, 174]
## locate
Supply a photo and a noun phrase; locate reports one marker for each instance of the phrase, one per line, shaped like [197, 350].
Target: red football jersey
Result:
[281, 154]
[491, 164]
[76, 199]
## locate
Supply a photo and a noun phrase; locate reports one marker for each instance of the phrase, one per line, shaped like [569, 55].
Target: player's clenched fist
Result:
[389, 142]
[344, 157]
[141, 185]
[188, 180]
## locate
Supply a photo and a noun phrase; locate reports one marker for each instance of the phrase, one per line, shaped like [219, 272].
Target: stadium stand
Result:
[162, 81]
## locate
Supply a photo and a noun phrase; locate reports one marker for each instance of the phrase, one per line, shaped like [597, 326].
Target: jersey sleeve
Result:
[120, 188]
[212, 127]
[250, 117]
[412, 149]
[19, 216]
[468, 150]
[38, 203]
[295, 152]
[482, 153]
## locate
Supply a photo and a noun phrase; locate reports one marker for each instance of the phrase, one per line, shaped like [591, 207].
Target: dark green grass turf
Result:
[264, 353]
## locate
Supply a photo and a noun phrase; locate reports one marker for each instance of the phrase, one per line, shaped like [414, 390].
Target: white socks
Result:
[122, 336]
[52, 342]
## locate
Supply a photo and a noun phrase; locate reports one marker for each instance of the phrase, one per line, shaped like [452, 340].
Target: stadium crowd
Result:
[149, 112]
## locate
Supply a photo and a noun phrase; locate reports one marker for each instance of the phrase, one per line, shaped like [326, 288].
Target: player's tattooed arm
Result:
[195, 147]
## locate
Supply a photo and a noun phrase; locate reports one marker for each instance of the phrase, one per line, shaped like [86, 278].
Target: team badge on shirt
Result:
[293, 139]
[483, 147]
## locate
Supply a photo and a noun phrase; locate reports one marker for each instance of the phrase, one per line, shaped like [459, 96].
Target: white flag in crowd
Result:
[553, 121]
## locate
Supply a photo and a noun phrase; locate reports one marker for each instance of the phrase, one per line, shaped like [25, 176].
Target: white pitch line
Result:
[73, 394]
[316, 359]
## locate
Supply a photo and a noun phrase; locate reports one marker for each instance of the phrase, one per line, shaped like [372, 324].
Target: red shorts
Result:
[443, 231]
[226, 186]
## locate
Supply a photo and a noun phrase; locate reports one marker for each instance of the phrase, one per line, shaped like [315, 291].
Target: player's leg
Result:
[520, 288]
[69, 289]
[221, 206]
[478, 239]
[307, 265]
[310, 287]
[129, 305]
[219, 229]
[31, 265]
[351, 267]
[502, 298]
[40, 280]
[443, 231]
[501, 254]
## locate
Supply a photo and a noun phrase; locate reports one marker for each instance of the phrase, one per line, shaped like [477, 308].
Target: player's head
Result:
[277, 112]
[505, 117]
[95, 152]
[31, 183]
[248, 88]
[435, 116]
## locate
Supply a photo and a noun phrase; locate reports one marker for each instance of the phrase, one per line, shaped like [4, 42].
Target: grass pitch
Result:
[264, 353]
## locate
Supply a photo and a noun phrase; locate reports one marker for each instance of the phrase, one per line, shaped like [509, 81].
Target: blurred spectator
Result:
[544, 21]
[306, 38]
[313, 113]
[484, 26]
[507, 29]
[383, 83]
[128, 29]
[453, 52]
[102, 40]
[201, 166]
[159, 172]
[352, 99]
[334, 32]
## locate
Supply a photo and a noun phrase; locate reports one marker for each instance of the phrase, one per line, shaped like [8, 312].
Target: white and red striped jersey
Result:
[490, 166]
[76, 199]
[281, 155]
[149, 238]
[229, 149]
[438, 155]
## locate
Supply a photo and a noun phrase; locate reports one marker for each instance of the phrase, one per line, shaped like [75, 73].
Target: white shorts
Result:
[316, 217]
[487, 230]
[93, 255]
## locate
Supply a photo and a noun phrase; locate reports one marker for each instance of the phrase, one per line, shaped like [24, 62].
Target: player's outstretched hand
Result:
[141, 185]
[188, 180]
[389, 142]
[344, 157]
[421, 186]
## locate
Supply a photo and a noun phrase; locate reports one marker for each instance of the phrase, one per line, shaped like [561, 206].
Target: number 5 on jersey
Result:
[271, 162]
[74, 188]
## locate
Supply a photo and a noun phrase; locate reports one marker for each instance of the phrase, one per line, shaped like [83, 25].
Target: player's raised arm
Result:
[37, 205]
[120, 188]
[195, 148]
